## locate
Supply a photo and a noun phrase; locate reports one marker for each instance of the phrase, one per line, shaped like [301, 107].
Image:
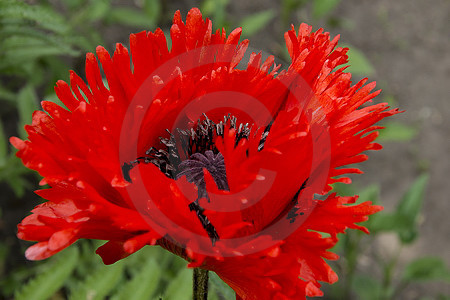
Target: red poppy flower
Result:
[167, 155]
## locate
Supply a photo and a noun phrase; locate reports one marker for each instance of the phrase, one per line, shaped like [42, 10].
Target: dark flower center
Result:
[189, 152]
[193, 167]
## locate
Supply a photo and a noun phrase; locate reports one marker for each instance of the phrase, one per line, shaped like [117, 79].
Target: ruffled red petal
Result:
[269, 223]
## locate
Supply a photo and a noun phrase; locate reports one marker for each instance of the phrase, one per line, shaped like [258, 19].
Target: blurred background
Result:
[402, 44]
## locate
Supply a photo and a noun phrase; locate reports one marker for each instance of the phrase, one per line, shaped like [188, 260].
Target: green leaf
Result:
[405, 220]
[39, 15]
[425, 269]
[45, 284]
[54, 98]
[358, 62]
[398, 132]
[212, 295]
[255, 22]
[26, 105]
[370, 193]
[387, 222]
[216, 10]
[134, 262]
[409, 209]
[180, 288]
[17, 49]
[143, 285]
[343, 189]
[153, 9]
[220, 287]
[129, 17]
[98, 10]
[323, 7]
[99, 283]
[28, 34]
[367, 288]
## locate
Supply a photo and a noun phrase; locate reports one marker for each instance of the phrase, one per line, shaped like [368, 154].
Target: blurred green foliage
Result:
[404, 222]
[358, 62]
[151, 273]
[396, 131]
[216, 11]
[256, 22]
[40, 42]
[321, 8]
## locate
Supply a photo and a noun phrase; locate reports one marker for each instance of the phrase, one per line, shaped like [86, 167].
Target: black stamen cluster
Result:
[184, 143]
[188, 152]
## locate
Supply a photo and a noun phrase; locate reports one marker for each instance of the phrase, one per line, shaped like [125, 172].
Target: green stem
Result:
[200, 284]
